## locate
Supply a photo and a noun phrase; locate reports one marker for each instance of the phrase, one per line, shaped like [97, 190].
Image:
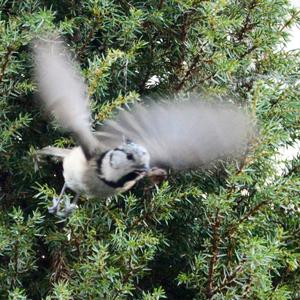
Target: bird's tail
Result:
[55, 152]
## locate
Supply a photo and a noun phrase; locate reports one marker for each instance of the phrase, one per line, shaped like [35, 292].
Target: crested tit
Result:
[179, 135]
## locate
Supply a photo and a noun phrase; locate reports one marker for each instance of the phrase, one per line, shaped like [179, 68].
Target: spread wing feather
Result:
[63, 91]
[59, 153]
[183, 135]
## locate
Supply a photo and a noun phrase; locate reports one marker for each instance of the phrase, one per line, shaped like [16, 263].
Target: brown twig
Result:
[15, 263]
[5, 63]
[214, 257]
[289, 21]
[183, 36]
[142, 85]
[230, 278]
[291, 171]
[201, 81]
[250, 213]
[188, 73]
[193, 67]
[88, 39]
[247, 290]
[248, 51]
[160, 4]
[59, 266]
[247, 26]
[233, 228]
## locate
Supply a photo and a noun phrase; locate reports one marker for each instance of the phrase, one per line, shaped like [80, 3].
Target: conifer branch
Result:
[249, 214]
[229, 279]
[5, 62]
[248, 25]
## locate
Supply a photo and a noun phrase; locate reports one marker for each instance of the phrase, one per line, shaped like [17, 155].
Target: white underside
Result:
[75, 165]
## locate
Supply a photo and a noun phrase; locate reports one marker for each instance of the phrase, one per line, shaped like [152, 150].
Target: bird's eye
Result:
[130, 156]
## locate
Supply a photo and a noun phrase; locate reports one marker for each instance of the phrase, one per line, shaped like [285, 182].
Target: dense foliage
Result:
[228, 233]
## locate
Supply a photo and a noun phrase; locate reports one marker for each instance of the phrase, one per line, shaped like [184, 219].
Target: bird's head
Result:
[124, 163]
[130, 157]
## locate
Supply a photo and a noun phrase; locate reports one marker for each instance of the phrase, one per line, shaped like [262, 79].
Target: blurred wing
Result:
[183, 135]
[63, 91]
[59, 153]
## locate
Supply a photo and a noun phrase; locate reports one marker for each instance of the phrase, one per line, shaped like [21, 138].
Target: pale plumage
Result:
[183, 135]
[180, 135]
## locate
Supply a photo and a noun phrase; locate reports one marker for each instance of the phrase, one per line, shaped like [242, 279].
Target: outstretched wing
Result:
[58, 153]
[63, 91]
[183, 135]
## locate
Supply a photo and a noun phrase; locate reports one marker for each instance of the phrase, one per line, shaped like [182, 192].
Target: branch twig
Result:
[5, 63]
[214, 257]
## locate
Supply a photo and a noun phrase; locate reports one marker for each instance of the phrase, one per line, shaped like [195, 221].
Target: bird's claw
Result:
[68, 209]
[54, 208]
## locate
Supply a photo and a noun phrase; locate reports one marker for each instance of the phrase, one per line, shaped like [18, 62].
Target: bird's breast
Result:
[75, 166]
[81, 177]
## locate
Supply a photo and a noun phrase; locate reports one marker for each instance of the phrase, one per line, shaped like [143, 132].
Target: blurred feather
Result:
[182, 134]
[187, 134]
[59, 153]
[63, 91]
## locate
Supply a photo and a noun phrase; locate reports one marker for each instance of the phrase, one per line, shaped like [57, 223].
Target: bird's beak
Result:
[142, 169]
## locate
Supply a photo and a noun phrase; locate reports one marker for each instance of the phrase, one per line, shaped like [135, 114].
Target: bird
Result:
[145, 140]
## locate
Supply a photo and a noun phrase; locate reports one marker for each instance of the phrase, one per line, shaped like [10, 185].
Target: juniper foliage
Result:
[228, 233]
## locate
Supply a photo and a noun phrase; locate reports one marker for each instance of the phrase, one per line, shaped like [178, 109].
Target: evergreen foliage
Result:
[229, 233]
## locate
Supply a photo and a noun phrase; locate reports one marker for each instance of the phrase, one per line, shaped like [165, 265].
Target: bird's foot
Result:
[54, 208]
[62, 213]
[68, 209]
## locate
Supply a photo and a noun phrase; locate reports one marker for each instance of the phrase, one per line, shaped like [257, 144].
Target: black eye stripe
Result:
[118, 149]
[129, 156]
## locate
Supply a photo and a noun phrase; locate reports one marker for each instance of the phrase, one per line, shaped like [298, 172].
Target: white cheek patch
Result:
[117, 159]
